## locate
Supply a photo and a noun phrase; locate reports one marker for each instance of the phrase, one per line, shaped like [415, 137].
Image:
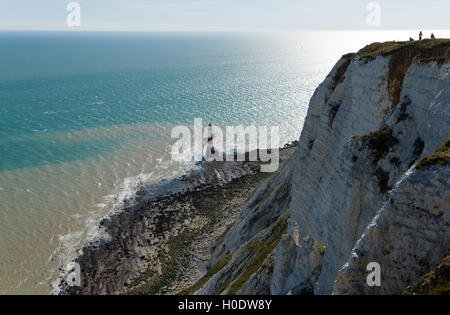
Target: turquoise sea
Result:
[85, 115]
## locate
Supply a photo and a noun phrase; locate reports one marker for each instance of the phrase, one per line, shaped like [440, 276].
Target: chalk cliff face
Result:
[408, 236]
[353, 193]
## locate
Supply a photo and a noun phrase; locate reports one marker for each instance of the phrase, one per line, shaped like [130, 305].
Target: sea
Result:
[87, 116]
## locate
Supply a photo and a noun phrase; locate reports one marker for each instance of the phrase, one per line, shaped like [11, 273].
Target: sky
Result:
[227, 15]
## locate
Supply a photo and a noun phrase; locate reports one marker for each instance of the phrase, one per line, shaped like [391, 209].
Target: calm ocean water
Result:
[83, 115]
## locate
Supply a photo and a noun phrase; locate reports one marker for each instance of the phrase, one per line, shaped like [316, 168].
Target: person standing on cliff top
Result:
[420, 35]
[432, 36]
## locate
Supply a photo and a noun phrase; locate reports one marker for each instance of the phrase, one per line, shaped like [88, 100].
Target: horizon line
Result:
[218, 31]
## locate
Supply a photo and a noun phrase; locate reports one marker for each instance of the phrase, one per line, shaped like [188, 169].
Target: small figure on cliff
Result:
[411, 39]
[420, 35]
[432, 36]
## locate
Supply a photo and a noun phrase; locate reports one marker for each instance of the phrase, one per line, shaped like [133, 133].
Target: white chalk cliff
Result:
[365, 185]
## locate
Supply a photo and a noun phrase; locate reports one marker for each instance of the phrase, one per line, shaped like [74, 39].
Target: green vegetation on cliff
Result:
[211, 272]
[370, 52]
[436, 282]
[441, 157]
[259, 251]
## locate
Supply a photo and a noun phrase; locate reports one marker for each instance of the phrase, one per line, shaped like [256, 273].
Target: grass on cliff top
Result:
[441, 157]
[374, 50]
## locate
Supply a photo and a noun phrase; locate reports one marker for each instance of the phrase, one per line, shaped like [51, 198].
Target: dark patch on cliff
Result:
[310, 144]
[340, 71]
[379, 142]
[417, 150]
[383, 180]
[334, 108]
[402, 115]
[395, 161]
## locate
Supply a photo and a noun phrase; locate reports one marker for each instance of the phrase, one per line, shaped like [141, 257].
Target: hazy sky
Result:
[189, 15]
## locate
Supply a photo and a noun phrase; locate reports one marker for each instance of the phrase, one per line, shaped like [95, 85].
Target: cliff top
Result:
[374, 50]
[402, 56]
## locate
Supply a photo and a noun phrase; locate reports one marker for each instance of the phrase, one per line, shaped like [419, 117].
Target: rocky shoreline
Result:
[160, 242]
